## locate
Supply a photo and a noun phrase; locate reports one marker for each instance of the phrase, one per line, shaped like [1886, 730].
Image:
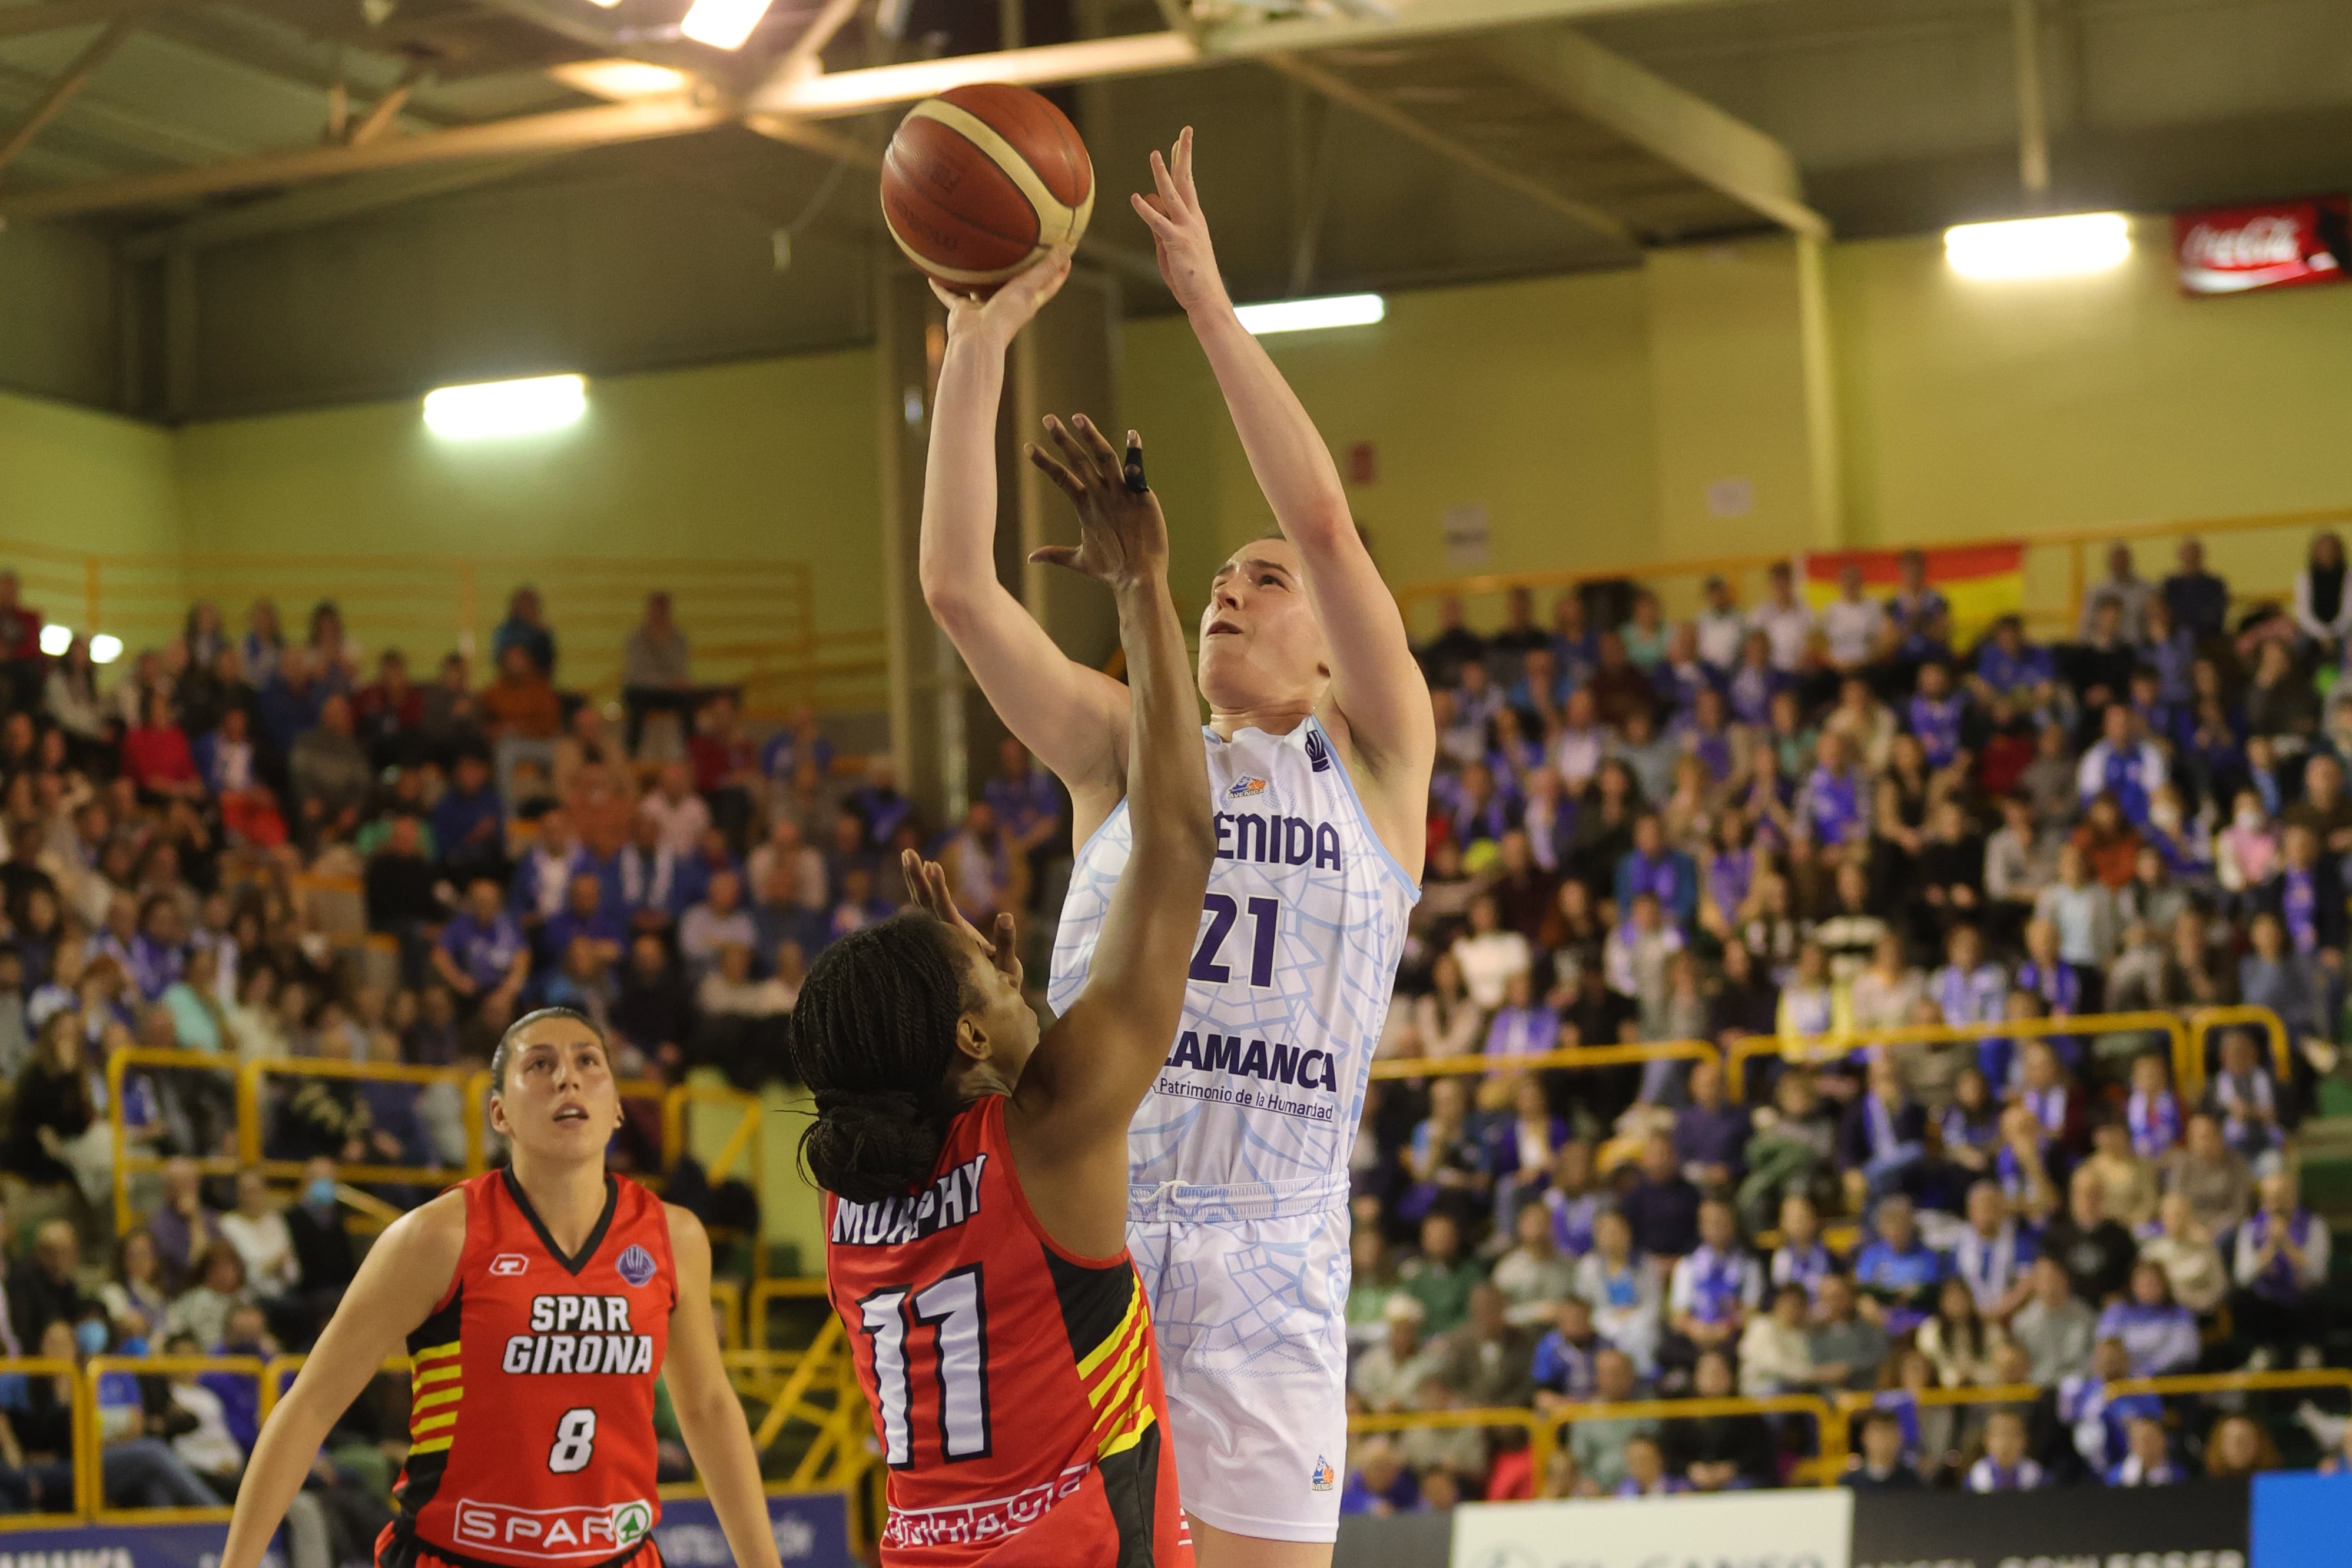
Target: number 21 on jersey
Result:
[1223, 912]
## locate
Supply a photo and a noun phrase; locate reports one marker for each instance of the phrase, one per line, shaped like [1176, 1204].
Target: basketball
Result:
[982, 181]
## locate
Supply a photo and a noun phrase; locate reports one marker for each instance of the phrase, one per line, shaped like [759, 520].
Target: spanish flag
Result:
[1982, 582]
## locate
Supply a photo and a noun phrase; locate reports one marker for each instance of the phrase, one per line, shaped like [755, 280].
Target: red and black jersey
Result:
[1015, 1386]
[531, 1412]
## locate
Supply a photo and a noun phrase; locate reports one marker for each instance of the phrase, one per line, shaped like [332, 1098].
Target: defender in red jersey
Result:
[538, 1305]
[976, 1248]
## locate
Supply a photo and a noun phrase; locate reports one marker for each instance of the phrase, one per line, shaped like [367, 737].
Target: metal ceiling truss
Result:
[1677, 136]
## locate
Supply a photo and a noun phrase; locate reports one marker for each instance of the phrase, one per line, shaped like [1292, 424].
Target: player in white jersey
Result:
[1320, 746]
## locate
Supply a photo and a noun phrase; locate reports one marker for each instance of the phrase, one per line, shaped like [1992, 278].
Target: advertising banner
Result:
[2299, 1520]
[2279, 244]
[1808, 1529]
[2202, 1524]
[811, 1532]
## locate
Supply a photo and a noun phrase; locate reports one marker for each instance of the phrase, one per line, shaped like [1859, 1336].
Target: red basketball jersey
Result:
[532, 1414]
[1015, 1386]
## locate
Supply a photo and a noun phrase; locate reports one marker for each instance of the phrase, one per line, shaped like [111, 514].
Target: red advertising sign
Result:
[2279, 244]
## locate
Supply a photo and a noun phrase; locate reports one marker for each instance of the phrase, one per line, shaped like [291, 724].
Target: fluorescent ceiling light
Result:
[505, 408]
[56, 639]
[608, 5]
[620, 79]
[723, 24]
[2039, 248]
[105, 648]
[1311, 315]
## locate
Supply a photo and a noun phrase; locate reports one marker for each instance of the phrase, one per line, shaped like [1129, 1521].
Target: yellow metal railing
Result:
[1544, 1429]
[2185, 1036]
[92, 1454]
[1574, 1058]
[2181, 1386]
[2056, 565]
[1827, 1047]
[84, 1410]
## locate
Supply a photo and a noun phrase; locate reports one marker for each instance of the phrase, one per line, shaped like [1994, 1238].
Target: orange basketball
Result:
[982, 181]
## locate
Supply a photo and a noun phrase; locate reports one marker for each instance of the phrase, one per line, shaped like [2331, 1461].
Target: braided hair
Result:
[874, 1037]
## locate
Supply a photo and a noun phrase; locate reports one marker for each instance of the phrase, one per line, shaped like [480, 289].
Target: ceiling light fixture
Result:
[490, 409]
[723, 24]
[619, 80]
[56, 639]
[105, 648]
[2039, 248]
[1312, 315]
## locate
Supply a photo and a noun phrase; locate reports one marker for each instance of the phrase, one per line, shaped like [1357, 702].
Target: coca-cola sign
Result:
[2280, 244]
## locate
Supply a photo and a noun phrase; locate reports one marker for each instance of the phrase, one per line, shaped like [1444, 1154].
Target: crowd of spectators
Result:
[1766, 820]
[260, 846]
[1808, 820]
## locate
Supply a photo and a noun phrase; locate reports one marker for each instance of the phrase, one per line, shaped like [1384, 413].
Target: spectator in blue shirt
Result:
[525, 627]
[1028, 807]
[1564, 1359]
[470, 819]
[1920, 615]
[2198, 601]
[1710, 1133]
[1382, 1482]
[482, 954]
[1884, 1138]
[1899, 1270]
[2157, 1333]
[2008, 663]
[585, 914]
[1661, 1207]
[1651, 867]
[1935, 712]
[2149, 1462]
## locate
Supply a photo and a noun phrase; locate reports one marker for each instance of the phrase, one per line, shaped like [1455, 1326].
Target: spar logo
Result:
[556, 1533]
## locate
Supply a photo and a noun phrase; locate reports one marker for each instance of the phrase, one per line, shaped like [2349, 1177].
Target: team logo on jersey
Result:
[1322, 1477]
[636, 1265]
[594, 1530]
[1319, 755]
[1246, 785]
[506, 1263]
[572, 1335]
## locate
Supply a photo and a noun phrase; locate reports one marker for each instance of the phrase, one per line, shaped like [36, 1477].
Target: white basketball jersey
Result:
[1255, 1111]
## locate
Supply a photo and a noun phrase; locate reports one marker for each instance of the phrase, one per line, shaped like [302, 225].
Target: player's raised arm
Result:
[1375, 683]
[1072, 717]
[406, 1272]
[1069, 1114]
[709, 1416]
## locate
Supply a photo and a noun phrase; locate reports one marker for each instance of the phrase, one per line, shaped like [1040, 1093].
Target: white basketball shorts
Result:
[1250, 1316]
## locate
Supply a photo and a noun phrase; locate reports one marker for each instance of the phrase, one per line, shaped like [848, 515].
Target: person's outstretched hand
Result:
[1122, 536]
[1180, 230]
[927, 882]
